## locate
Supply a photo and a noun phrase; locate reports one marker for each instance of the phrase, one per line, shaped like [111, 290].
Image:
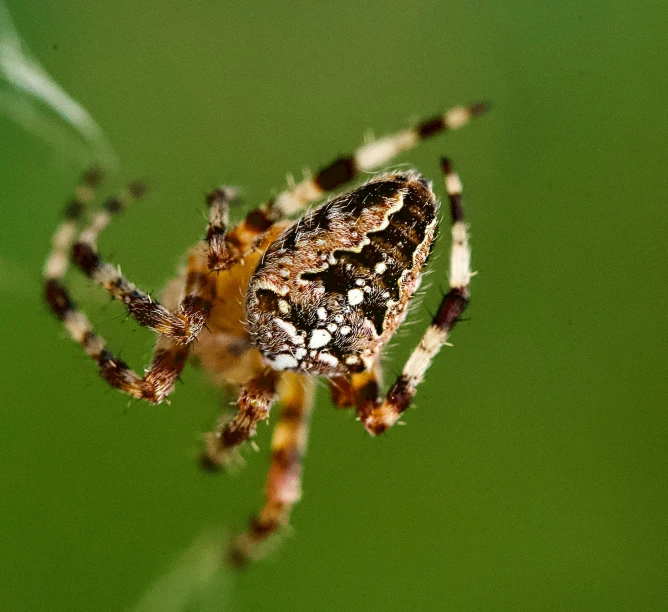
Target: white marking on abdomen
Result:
[319, 337]
[355, 296]
[283, 362]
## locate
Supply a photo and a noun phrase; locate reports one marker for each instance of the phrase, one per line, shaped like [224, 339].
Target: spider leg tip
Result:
[208, 464]
[480, 108]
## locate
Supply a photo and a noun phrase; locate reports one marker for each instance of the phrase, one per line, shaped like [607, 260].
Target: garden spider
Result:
[323, 295]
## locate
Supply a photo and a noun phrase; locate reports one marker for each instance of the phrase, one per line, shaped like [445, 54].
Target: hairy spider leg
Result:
[254, 403]
[376, 415]
[283, 488]
[169, 357]
[221, 253]
[57, 261]
[184, 323]
[198, 292]
[368, 157]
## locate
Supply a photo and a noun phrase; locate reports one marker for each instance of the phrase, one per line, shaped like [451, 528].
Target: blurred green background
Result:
[531, 476]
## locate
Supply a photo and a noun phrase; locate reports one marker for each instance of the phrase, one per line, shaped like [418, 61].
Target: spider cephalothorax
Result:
[275, 303]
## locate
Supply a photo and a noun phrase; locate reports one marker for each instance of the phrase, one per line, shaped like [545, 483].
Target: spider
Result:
[283, 302]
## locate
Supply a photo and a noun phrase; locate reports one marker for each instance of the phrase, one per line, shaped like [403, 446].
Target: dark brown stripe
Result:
[237, 432]
[431, 127]
[336, 174]
[217, 195]
[451, 308]
[114, 206]
[149, 313]
[166, 366]
[291, 414]
[209, 464]
[194, 306]
[233, 437]
[446, 166]
[234, 241]
[214, 231]
[342, 392]
[114, 370]
[119, 375]
[368, 393]
[74, 210]
[85, 258]
[92, 177]
[400, 395]
[258, 220]
[262, 528]
[196, 278]
[237, 558]
[58, 299]
[285, 458]
[456, 209]
[137, 189]
[479, 108]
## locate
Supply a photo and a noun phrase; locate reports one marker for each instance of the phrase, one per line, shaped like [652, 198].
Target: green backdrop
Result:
[532, 473]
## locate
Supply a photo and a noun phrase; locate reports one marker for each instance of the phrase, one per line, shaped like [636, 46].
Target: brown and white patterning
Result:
[275, 303]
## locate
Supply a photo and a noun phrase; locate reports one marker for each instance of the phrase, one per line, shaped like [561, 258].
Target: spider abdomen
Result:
[334, 287]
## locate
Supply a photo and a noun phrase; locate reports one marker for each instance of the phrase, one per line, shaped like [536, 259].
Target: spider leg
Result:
[226, 248]
[222, 252]
[185, 322]
[283, 488]
[368, 157]
[57, 262]
[342, 391]
[255, 401]
[377, 415]
[356, 390]
[169, 357]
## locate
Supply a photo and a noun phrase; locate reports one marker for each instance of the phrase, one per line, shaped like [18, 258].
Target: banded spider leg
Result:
[283, 488]
[369, 157]
[171, 352]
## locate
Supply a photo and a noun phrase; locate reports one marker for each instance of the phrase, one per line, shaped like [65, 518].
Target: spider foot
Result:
[262, 537]
[215, 457]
